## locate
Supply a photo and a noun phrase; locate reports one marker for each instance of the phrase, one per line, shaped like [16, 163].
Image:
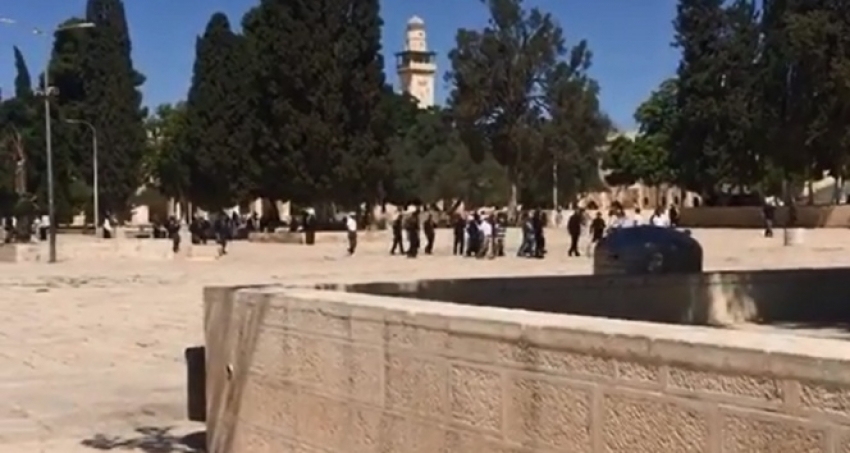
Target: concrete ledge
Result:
[713, 298]
[89, 248]
[322, 237]
[294, 369]
[751, 217]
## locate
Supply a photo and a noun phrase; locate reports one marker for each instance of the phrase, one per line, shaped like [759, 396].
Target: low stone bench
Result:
[322, 237]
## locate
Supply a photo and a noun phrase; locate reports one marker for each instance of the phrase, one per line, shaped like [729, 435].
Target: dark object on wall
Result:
[647, 250]
[196, 384]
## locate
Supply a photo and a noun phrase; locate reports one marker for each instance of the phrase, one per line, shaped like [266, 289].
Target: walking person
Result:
[351, 228]
[574, 225]
[398, 242]
[597, 231]
[768, 212]
[526, 249]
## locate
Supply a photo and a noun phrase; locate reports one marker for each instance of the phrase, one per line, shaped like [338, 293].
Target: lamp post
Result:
[48, 143]
[95, 185]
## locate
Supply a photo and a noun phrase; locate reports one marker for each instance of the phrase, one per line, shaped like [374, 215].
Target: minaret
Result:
[417, 67]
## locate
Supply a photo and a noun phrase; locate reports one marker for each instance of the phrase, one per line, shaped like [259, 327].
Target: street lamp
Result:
[47, 92]
[95, 184]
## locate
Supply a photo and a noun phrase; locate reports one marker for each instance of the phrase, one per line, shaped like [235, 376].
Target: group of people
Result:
[482, 235]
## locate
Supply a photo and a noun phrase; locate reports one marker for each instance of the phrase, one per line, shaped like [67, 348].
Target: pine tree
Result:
[113, 104]
[218, 132]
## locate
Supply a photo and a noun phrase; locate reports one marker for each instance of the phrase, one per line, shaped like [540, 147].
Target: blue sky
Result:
[630, 39]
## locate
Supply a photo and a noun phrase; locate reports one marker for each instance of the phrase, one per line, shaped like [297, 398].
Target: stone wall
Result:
[303, 370]
[751, 217]
[711, 298]
[82, 248]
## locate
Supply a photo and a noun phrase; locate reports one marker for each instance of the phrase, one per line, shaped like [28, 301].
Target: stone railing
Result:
[292, 369]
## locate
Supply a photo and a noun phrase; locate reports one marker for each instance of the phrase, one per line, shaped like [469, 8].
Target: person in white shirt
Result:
[637, 220]
[351, 227]
[107, 228]
[486, 232]
[659, 219]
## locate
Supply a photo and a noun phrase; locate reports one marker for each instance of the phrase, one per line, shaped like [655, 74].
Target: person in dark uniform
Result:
[769, 216]
[459, 229]
[173, 228]
[222, 232]
[537, 225]
[413, 235]
[574, 224]
[429, 227]
[597, 228]
[398, 242]
[308, 223]
[473, 232]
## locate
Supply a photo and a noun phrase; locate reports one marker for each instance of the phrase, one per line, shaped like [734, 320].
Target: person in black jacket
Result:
[413, 235]
[397, 227]
[173, 227]
[574, 224]
[459, 227]
[538, 223]
[429, 227]
[222, 232]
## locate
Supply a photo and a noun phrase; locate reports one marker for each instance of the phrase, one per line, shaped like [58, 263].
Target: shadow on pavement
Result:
[150, 439]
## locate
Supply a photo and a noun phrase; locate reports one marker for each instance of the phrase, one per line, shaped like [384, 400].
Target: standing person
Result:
[538, 224]
[637, 220]
[222, 232]
[107, 227]
[473, 232]
[459, 227]
[351, 228]
[486, 235]
[673, 213]
[429, 227]
[658, 218]
[308, 224]
[574, 224]
[398, 243]
[173, 228]
[768, 212]
[499, 233]
[413, 234]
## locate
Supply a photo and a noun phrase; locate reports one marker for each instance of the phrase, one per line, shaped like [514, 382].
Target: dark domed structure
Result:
[647, 250]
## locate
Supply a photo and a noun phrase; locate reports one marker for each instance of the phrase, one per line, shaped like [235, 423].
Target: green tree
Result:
[712, 143]
[113, 103]
[221, 170]
[23, 81]
[647, 158]
[298, 105]
[365, 163]
[72, 143]
[168, 160]
[498, 75]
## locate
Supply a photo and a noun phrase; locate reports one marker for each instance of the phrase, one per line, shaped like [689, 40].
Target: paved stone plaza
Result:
[92, 351]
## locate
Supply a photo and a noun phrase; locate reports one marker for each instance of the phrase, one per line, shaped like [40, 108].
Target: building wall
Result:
[292, 370]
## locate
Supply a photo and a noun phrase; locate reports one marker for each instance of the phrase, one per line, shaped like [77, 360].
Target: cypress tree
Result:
[696, 152]
[23, 82]
[113, 104]
[219, 132]
[366, 162]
